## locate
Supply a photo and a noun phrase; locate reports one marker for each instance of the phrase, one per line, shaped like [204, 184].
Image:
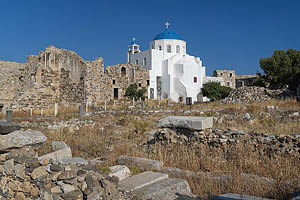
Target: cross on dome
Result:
[167, 24]
[133, 39]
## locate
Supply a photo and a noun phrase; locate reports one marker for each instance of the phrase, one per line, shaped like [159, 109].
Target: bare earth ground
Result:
[109, 135]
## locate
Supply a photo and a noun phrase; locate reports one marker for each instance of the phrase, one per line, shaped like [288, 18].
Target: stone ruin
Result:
[62, 76]
[256, 94]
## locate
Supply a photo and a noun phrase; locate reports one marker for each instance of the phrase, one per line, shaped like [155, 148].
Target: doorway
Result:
[116, 93]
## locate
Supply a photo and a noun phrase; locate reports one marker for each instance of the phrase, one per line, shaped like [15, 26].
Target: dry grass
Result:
[91, 142]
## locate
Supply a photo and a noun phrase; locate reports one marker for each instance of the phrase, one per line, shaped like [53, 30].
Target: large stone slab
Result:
[166, 189]
[8, 127]
[120, 171]
[19, 139]
[143, 163]
[57, 156]
[186, 122]
[231, 196]
[58, 145]
[140, 180]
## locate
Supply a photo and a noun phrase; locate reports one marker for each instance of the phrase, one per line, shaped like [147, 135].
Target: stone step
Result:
[166, 189]
[231, 196]
[140, 180]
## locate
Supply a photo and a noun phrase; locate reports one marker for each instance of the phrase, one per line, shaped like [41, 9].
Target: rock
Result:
[66, 175]
[19, 139]
[8, 127]
[89, 181]
[20, 171]
[44, 195]
[75, 160]
[58, 145]
[39, 172]
[67, 188]
[231, 196]
[56, 168]
[167, 189]
[76, 194]
[246, 116]
[56, 190]
[186, 122]
[120, 171]
[57, 156]
[8, 167]
[143, 163]
[140, 180]
[20, 196]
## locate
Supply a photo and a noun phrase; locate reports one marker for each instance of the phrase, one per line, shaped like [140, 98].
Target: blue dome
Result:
[167, 34]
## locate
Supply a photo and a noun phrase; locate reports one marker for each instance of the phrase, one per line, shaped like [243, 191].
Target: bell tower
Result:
[132, 49]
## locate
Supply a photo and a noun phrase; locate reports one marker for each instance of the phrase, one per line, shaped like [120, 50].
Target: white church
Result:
[173, 73]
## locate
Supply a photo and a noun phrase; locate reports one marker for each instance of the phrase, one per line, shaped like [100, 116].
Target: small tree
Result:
[282, 69]
[133, 92]
[215, 91]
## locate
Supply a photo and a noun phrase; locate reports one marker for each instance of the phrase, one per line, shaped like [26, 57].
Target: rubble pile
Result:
[26, 175]
[255, 94]
[218, 138]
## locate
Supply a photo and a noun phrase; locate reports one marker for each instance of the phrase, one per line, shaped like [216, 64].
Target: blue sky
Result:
[225, 34]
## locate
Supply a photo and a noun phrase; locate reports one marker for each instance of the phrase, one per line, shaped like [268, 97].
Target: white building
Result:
[173, 73]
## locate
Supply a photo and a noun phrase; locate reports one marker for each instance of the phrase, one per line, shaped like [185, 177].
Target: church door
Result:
[151, 93]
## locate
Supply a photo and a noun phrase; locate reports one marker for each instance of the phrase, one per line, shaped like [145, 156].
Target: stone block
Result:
[140, 180]
[58, 145]
[8, 127]
[231, 196]
[167, 189]
[143, 163]
[120, 171]
[75, 160]
[57, 156]
[186, 122]
[19, 139]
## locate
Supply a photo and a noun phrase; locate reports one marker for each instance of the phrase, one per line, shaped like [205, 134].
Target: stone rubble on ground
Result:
[255, 94]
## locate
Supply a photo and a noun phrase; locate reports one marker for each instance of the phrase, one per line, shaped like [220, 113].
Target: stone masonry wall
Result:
[119, 77]
[62, 76]
[228, 76]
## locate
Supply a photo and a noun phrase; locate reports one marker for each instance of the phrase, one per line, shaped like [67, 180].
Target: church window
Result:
[228, 84]
[123, 71]
[140, 85]
[195, 79]
[230, 74]
[169, 48]
[114, 81]
[177, 49]
[148, 82]
[159, 47]
[136, 62]
[144, 61]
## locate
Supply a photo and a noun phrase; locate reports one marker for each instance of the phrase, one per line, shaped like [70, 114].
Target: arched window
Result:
[144, 61]
[159, 47]
[123, 71]
[169, 48]
[177, 49]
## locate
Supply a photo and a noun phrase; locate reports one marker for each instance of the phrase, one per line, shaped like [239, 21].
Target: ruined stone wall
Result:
[119, 77]
[61, 76]
[94, 81]
[228, 76]
[11, 77]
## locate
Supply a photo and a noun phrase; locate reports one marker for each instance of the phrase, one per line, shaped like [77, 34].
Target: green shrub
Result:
[133, 92]
[215, 91]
